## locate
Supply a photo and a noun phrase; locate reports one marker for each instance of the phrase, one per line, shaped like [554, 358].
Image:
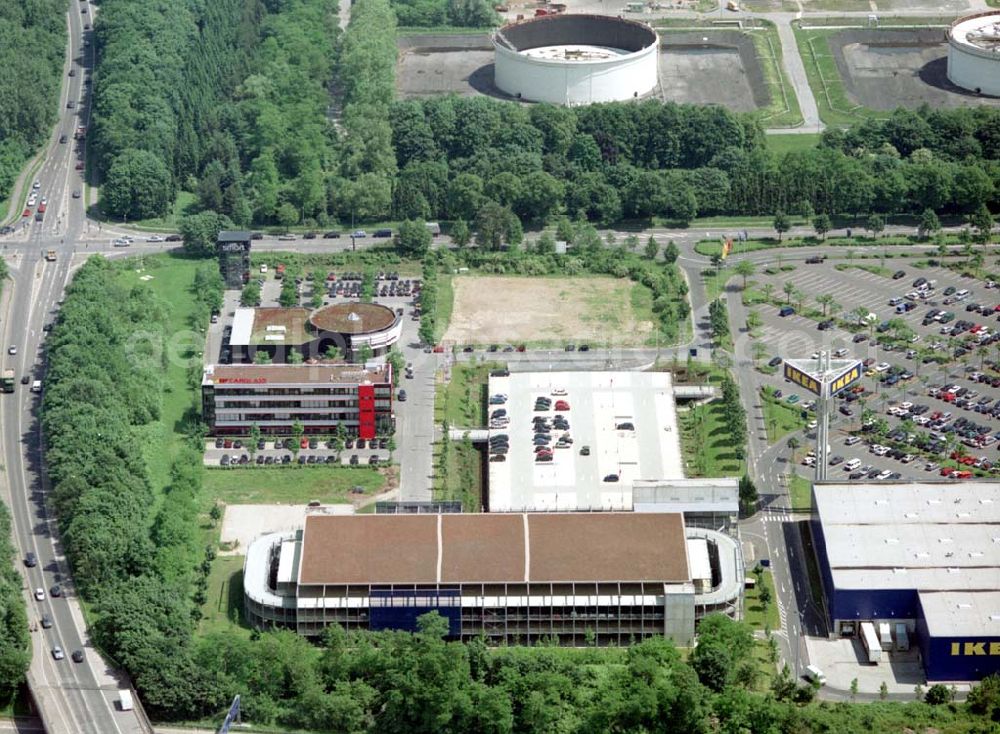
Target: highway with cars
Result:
[74, 689]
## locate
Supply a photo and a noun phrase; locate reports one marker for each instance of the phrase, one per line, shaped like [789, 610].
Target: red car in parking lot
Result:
[562, 405]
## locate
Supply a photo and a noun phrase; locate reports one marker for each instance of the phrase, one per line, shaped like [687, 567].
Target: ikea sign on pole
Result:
[807, 374]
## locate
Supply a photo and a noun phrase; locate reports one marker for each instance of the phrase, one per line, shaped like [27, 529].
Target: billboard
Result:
[845, 379]
[803, 379]
[843, 376]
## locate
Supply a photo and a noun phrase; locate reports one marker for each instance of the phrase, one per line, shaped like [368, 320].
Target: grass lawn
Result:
[715, 281]
[289, 484]
[185, 203]
[835, 106]
[800, 492]
[443, 305]
[462, 401]
[706, 443]
[223, 612]
[756, 616]
[171, 280]
[781, 418]
[783, 110]
[17, 704]
[789, 143]
[459, 477]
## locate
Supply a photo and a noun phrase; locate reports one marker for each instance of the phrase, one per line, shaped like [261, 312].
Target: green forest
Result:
[251, 128]
[225, 98]
[32, 50]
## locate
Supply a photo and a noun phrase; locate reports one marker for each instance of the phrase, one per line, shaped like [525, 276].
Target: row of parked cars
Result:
[238, 460]
[304, 443]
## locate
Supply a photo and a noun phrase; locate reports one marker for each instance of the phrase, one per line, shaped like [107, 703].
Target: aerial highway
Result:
[71, 697]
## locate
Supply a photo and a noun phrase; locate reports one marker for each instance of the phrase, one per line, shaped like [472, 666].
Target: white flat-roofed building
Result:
[627, 421]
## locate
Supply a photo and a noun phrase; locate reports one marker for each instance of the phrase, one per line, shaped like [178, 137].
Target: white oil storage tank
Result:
[576, 59]
[974, 53]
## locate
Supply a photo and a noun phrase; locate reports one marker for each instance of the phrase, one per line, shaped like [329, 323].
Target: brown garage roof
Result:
[380, 549]
[353, 318]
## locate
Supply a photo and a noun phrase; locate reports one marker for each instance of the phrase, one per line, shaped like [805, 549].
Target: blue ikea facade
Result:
[919, 532]
[399, 609]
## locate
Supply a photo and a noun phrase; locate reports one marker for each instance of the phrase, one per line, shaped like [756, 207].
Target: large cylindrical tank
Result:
[576, 59]
[974, 53]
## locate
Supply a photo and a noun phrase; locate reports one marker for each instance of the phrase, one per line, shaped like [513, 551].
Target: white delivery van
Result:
[852, 465]
[885, 635]
[125, 700]
[815, 675]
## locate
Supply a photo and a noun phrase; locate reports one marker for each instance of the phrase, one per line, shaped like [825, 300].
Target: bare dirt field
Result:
[501, 310]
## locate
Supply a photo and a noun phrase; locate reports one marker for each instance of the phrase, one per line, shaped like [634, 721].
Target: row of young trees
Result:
[32, 50]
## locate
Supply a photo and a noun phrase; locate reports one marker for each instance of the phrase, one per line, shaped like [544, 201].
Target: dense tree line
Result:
[137, 562]
[227, 99]
[32, 50]
[460, 13]
[736, 416]
[15, 647]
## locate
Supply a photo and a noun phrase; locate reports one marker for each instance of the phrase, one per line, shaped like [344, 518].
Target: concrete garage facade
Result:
[576, 59]
[974, 53]
[922, 554]
[579, 578]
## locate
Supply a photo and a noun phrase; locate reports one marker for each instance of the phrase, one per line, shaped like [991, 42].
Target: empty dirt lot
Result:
[501, 310]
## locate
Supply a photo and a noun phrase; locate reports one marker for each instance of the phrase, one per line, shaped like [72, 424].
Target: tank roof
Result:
[981, 30]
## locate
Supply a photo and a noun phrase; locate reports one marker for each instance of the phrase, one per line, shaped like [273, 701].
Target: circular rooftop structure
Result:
[576, 59]
[974, 53]
[350, 326]
[353, 318]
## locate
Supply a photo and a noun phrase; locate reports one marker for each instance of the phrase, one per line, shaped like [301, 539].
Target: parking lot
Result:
[929, 404]
[235, 453]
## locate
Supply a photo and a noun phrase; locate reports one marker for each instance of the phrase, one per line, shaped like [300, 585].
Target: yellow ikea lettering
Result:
[991, 649]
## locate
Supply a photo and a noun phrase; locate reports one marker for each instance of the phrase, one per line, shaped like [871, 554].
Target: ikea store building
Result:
[924, 554]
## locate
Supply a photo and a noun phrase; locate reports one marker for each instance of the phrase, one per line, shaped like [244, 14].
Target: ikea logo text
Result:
[991, 649]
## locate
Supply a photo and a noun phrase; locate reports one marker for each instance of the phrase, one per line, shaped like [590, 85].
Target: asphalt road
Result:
[72, 697]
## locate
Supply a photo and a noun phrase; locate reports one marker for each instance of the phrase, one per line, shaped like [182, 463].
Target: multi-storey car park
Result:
[914, 562]
[575, 577]
[320, 397]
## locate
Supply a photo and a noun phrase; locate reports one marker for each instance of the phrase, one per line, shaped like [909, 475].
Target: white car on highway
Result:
[39, 594]
[155, 238]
